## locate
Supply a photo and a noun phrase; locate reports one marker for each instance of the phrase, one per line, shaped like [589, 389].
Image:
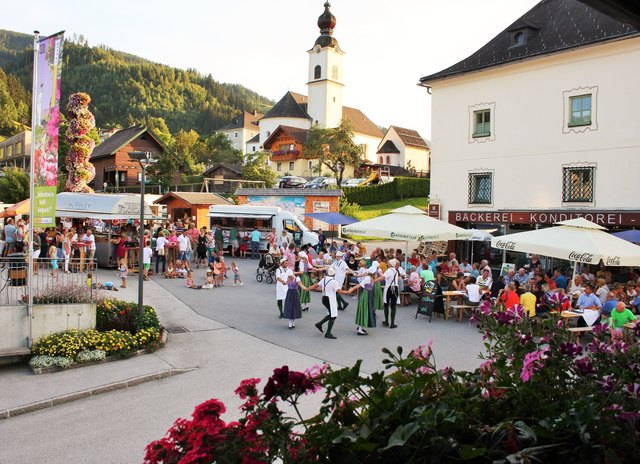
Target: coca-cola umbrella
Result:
[577, 240]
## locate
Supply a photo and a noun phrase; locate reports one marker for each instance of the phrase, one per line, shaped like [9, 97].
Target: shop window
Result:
[480, 188]
[577, 184]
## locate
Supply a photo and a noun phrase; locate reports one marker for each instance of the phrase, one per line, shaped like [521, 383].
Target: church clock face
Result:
[317, 48]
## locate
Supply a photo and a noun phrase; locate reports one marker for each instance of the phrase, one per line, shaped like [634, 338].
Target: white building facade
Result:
[540, 124]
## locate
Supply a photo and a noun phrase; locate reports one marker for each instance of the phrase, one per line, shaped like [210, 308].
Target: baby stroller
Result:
[267, 269]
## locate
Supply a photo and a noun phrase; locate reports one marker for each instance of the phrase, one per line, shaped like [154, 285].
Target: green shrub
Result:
[399, 189]
[123, 315]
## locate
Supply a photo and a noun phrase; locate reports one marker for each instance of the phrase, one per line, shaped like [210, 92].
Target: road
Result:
[231, 333]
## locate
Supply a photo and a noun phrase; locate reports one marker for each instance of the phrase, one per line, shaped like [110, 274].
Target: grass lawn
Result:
[371, 211]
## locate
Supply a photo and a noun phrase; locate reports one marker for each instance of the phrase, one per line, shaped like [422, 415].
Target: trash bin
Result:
[17, 269]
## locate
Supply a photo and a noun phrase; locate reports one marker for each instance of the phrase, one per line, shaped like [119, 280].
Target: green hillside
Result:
[126, 88]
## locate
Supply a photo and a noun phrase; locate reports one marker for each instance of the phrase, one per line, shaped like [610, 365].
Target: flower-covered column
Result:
[81, 121]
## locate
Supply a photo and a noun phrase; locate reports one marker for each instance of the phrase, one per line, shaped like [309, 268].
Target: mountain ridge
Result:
[126, 88]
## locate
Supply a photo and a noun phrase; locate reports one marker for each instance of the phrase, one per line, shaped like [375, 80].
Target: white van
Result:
[266, 218]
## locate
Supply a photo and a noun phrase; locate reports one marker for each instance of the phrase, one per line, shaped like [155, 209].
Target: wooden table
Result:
[170, 252]
[448, 294]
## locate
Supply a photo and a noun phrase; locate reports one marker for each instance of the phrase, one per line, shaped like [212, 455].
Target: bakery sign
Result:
[603, 218]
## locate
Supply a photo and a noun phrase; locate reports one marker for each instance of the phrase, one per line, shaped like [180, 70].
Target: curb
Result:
[12, 412]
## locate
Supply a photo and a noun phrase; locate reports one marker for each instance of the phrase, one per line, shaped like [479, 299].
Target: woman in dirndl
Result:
[303, 271]
[365, 314]
[378, 300]
[292, 309]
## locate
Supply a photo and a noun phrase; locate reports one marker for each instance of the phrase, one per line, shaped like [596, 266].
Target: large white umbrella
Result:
[408, 223]
[576, 240]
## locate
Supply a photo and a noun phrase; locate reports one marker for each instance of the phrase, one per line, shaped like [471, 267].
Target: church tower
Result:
[325, 75]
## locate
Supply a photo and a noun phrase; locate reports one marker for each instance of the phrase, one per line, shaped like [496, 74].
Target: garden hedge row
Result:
[399, 189]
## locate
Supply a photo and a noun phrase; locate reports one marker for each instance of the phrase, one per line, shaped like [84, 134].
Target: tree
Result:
[164, 171]
[14, 186]
[216, 149]
[256, 169]
[334, 148]
[183, 145]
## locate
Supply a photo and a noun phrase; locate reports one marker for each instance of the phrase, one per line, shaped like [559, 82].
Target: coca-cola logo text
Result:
[612, 261]
[506, 245]
[582, 257]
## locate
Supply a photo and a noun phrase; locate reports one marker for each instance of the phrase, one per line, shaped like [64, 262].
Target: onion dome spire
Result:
[326, 23]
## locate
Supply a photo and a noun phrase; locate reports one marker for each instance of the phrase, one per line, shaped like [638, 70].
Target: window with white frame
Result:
[482, 123]
[480, 188]
[279, 167]
[580, 110]
[291, 165]
[578, 184]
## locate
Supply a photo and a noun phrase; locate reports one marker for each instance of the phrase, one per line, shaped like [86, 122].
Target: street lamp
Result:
[145, 160]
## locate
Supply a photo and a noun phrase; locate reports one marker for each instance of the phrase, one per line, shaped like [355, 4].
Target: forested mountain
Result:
[125, 88]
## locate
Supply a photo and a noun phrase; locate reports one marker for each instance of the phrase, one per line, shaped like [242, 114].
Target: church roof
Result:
[287, 107]
[245, 120]
[549, 27]
[361, 123]
[326, 23]
[388, 147]
[410, 137]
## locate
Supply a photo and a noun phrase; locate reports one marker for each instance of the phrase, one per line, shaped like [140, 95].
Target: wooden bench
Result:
[578, 331]
[460, 309]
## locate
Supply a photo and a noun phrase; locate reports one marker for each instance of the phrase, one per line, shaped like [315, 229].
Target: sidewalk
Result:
[23, 391]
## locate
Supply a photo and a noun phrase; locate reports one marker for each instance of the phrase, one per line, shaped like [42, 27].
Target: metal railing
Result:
[69, 283]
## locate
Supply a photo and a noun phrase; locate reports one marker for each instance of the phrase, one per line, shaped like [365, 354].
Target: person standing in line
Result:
[201, 248]
[255, 243]
[147, 252]
[391, 293]
[233, 238]
[282, 275]
[365, 310]
[90, 244]
[330, 289]
[161, 253]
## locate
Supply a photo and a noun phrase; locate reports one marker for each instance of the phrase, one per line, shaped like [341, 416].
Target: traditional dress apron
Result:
[292, 308]
[305, 296]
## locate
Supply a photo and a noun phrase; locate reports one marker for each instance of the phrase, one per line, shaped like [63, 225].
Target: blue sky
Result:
[262, 44]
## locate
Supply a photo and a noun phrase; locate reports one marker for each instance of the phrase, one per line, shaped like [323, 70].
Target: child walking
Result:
[53, 254]
[123, 272]
[236, 274]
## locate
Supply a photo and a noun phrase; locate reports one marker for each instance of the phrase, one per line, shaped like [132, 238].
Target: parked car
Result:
[290, 182]
[322, 182]
[351, 182]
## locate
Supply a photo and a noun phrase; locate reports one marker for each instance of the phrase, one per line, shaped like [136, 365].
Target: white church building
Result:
[283, 130]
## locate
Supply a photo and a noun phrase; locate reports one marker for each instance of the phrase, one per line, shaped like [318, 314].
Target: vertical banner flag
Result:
[44, 166]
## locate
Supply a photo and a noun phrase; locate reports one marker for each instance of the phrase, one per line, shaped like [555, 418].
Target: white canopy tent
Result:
[408, 223]
[577, 240]
[100, 206]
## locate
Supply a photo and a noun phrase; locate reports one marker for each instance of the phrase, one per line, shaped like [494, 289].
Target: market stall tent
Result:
[18, 209]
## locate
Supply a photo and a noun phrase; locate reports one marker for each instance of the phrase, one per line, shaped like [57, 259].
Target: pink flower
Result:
[532, 363]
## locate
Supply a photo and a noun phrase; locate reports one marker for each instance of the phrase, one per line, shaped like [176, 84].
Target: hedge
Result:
[399, 189]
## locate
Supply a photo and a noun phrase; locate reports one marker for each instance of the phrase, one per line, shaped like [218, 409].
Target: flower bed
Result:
[537, 397]
[120, 332]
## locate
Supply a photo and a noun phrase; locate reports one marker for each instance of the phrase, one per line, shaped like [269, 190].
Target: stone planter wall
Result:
[47, 319]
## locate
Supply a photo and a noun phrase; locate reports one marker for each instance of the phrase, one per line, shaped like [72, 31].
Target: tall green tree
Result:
[14, 185]
[183, 145]
[334, 148]
[256, 169]
[216, 148]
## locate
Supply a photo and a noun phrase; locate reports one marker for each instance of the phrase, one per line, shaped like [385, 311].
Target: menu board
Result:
[427, 300]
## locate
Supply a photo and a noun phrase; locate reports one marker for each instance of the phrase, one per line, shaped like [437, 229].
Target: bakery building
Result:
[538, 125]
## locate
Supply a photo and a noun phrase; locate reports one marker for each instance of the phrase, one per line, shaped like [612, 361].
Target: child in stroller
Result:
[267, 269]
